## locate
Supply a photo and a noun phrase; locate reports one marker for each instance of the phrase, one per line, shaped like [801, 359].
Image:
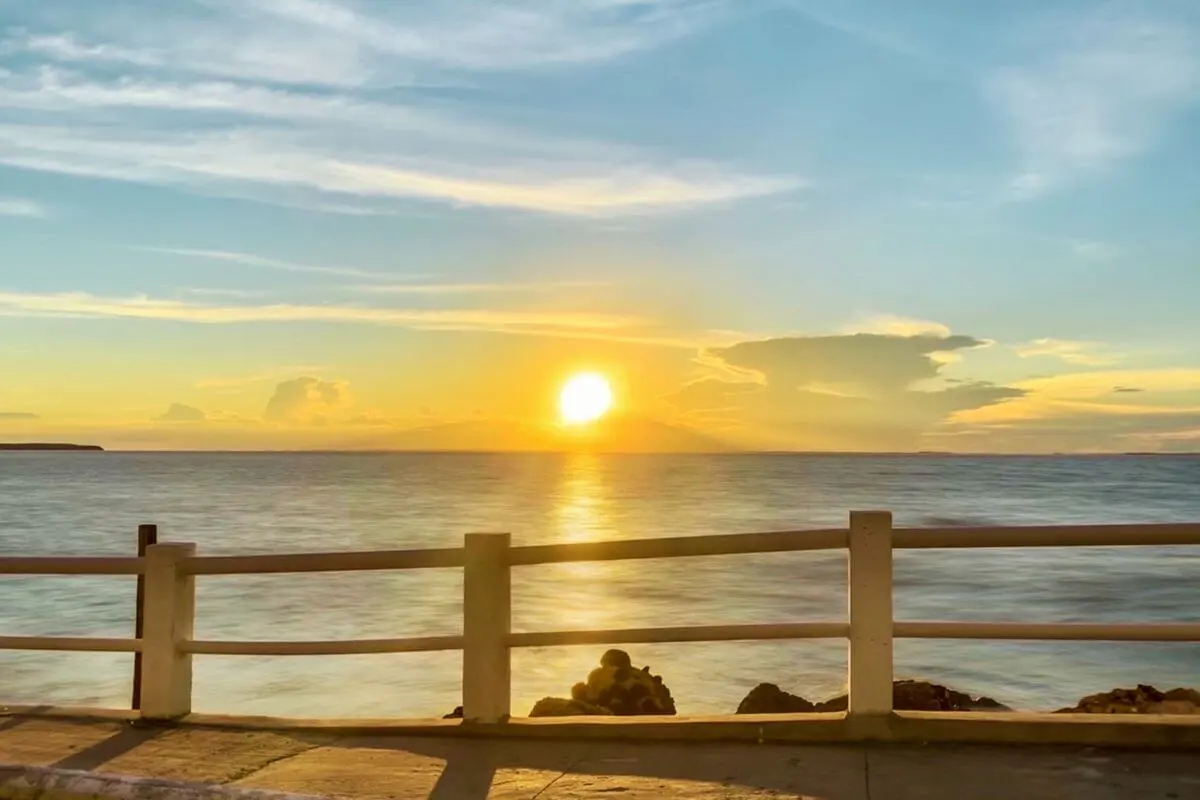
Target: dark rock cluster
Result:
[767, 698]
[616, 687]
[1142, 700]
[907, 695]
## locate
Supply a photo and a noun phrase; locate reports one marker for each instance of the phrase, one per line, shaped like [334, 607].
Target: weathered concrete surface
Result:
[37, 783]
[377, 767]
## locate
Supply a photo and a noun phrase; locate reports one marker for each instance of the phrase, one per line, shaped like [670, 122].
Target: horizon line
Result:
[727, 452]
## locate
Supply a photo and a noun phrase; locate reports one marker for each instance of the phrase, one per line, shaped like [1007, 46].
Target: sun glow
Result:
[584, 398]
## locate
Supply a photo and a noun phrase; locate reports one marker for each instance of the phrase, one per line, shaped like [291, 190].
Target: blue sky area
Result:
[847, 225]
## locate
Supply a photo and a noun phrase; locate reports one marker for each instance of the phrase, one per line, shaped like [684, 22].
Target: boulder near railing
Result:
[169, 571]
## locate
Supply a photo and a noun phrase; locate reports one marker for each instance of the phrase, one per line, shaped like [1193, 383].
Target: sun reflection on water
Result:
[582, 514]
[582, 500]
[571, 596]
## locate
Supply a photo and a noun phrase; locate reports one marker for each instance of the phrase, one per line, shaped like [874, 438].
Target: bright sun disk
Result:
[584, 398]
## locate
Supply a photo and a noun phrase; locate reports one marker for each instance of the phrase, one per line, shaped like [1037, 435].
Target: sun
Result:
[584, 398]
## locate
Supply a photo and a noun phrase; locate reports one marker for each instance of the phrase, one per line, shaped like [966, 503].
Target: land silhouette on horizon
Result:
[49, 446]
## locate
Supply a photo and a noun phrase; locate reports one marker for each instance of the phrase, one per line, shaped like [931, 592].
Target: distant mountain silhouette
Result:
[614, 434]
[48, 446]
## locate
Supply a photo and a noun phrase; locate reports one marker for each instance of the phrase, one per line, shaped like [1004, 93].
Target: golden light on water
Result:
[584, 398]
[583, 508]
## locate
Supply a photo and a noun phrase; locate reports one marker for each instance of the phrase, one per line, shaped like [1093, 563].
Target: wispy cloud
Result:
[213, 44]
[362, 43]
[1101, 383]
[474, 288]
[225, 98]
[283, 160]
[251, 260]
[477, 34]
[1162, 393]
[862, 27]
[1094, 92]
[65, 47]
[892, 325]
[1070, 351]
[16, 416]
[20, 207]
[1095, 250]
[76, 304]
[203, 291]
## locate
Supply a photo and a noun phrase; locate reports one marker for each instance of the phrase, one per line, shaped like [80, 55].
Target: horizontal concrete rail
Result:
[69, 565]
[323, 562]
[70, 644]
[329, 648]
[704, 633]
[679, 547]
[1048, 536]
[1054, 631]
[168, 572]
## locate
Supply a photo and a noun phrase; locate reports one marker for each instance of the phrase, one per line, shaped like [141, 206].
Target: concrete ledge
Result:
[901, 727]
[36, 783]
[89, 713]
[1016, 728]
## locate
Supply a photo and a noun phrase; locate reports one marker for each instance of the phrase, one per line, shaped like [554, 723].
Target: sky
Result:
[771, 224]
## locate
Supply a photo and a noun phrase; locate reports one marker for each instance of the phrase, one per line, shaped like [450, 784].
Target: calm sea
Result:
[82, 503]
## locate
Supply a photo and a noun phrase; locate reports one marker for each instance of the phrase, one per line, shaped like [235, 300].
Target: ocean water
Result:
[91, 504]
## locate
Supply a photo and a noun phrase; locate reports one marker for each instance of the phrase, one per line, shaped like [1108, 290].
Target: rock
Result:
[615, 687]
[907, 695]
[924, 696]
[1142, 700]
[839, 703]
[566, 707]
[615, 659]
[767, 698]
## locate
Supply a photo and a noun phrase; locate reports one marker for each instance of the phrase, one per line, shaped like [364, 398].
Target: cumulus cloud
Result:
[178, 412]
[307, 400]
[873, 361]
[851, 392]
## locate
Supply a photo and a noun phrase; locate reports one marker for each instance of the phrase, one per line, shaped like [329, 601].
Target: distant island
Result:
[49, 446]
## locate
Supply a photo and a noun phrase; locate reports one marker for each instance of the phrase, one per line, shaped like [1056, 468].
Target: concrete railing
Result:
[169, 572]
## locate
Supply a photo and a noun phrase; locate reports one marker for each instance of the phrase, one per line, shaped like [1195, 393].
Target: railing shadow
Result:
[22, 718]
[473, 766]
[99, 754]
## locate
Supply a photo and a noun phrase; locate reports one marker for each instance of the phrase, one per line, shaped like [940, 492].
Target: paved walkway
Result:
[395, 767]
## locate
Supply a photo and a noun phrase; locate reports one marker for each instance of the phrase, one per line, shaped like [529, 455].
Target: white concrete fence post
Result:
[870, 581]
[170, 607]
[487, 623]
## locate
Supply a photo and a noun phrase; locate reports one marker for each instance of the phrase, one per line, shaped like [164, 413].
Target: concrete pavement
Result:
[374, 767]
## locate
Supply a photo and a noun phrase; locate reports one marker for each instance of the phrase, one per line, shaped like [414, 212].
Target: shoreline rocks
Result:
[767, 698]
[907, 695]
[615, 688]
[1142, 700]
